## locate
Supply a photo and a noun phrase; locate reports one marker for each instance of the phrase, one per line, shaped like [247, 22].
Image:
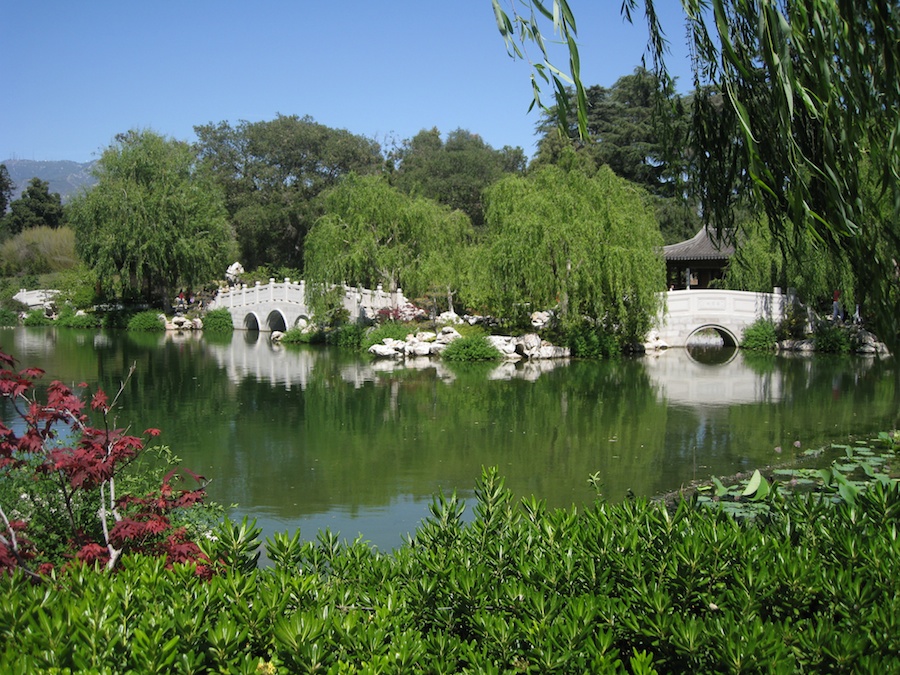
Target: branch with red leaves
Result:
[89, 464]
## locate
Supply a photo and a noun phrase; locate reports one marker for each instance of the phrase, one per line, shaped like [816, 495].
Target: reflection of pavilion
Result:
[680, 380]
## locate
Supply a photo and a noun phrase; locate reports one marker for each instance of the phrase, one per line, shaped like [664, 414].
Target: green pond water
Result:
[314, 437]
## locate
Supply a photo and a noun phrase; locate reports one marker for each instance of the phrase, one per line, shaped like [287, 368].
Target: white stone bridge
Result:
[282, 305]
[726, 312]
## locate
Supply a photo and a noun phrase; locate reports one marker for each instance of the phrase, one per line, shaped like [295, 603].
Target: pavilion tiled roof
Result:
[702, 246]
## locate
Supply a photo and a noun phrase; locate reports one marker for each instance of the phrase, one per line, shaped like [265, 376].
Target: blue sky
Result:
[78, 73]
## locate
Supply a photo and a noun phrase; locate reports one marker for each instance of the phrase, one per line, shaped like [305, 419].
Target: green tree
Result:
[6, 189]
[454, 172]
[36, 207]
[153, 222]
[587, 245]
[761, 262]
[272, 172]
[638, 128]
[373, 234]
[792, 98]
[627, 131]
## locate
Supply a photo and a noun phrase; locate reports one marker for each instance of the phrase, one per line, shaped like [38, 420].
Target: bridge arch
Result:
[726, 312]
[728, 337]
[251, 322]
[276, 321]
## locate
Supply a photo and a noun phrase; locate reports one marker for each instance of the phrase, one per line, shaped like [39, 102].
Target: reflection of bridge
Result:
[249, 355]
[283, 305]
[679, 380]
[726, 312]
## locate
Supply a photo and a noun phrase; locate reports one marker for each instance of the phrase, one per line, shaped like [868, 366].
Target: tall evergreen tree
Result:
[36, 207]
[6, 189]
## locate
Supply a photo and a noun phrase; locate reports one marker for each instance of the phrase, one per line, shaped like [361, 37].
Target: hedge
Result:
[811, 585]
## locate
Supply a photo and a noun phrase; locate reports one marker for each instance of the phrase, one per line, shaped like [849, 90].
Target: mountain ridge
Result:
[66, 177]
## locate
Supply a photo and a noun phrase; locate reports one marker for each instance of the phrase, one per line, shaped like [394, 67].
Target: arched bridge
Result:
[282, 305]
[726, 312]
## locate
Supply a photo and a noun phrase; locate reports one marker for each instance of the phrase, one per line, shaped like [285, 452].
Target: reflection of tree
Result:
[409, 433]
[329, 432]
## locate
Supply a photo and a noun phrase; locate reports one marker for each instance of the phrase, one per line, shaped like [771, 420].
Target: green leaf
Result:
[721, 490]
[753, 485]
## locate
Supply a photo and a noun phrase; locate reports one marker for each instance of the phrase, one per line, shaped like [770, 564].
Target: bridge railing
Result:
[243, 295]
[290, 292]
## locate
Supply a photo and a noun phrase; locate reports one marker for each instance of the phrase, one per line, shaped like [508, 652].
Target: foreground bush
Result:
[760, 336]
[218, 322]
[831, 338]
[146, 321]
[615, 588]
[471, 348]
[590, 341]
[68, 318]
[36, 317]
[395, 330]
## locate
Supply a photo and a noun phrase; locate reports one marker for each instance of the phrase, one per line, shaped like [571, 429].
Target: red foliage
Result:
[142, 523]
[91, 553]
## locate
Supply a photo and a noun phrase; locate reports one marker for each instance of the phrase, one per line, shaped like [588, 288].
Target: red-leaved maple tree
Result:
[57, 442]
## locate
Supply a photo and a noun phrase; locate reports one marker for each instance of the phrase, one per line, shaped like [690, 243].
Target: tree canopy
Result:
[454, 172]
[152, 222]
[638, 128]
[35, 208]
[272, 172]
[587, 245]
[371, 233]
[792, 99]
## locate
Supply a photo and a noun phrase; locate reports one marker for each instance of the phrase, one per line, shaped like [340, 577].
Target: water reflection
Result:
[715, 379]
[253, 354]
[315, 437]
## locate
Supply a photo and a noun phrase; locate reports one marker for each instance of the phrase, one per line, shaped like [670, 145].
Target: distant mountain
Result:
[66, 178]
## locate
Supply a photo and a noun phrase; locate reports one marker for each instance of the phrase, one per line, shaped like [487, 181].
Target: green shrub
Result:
[69, 319]
[115, 319]
[346, 336]
[831, 338]
[218, 321]
[760, 336]
[77, 286]
[36, 317]
[793, 325]
[298, 336]
[588, 341]
[472, 348]
[146, 321]
[390, 329]
[632, 587]
[8, 317]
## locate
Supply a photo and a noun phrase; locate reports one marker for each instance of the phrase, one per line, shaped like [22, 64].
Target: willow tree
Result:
[588, 246]
[151, 223]
[792, 98]
[371, 234]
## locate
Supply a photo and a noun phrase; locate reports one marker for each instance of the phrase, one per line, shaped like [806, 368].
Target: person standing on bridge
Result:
[836, 312]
